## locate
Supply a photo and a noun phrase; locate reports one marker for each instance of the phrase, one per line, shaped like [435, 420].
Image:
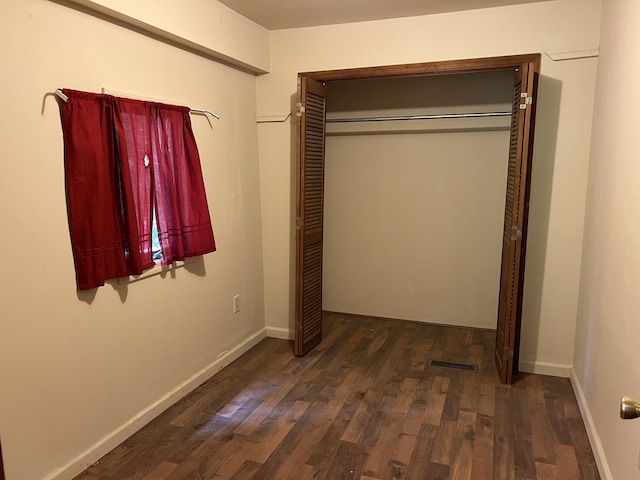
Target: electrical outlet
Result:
[236, 303]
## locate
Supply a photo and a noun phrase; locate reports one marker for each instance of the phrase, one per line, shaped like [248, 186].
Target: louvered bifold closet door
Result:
[515, 221]
[309, 213]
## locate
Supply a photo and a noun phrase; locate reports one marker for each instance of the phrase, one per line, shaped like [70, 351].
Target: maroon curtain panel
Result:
[166, 175]
[102, 217]
[184, 224]
[132, 127]
[123, 160]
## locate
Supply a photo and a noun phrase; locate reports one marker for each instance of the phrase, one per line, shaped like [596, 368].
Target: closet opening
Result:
[409, 164]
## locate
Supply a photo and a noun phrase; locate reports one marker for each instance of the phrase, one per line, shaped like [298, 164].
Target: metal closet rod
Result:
[59, 92]
[418, 117]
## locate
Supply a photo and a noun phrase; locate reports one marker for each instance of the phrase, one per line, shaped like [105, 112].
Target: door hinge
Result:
[518, 232]
[299, 223]
[301, 109]
[527, 100]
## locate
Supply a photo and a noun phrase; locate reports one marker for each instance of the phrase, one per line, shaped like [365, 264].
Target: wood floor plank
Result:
[401, 454]
[482, 464]
[414, 418]
[365, 404]
[347, 463]
[395, 471]
[566, 462]
[298, 446]
[246, 471]
[361, 418]
[437, 399]
[437, 472]
[542, 436]
[470, 398]
[379, 457]
[253, 421]
[503, 457]
[161, 472]
[523, 438]
[327, 447]
[404, 400]
[545, 471]
[421, 354]
[582, 449]
[421, 456]
[443, 448]
[307, 471]
[276, 428]
[462, 451]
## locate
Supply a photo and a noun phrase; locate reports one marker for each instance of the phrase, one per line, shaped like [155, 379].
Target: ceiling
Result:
[280, 14]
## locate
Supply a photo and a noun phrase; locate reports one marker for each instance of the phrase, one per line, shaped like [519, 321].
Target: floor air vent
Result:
[456, 366]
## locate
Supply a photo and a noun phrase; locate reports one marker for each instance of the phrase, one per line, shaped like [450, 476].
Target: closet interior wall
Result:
[414, 208]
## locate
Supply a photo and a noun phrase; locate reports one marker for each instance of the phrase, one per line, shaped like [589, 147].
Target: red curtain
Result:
[182, 213]
[132, 129]
[102, 217]
[123, 158]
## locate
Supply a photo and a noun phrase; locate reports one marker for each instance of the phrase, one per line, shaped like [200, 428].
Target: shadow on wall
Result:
[546, 135]
[195, 266]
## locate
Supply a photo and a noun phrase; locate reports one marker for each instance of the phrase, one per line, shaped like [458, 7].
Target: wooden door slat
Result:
[309, 209]
[515, 225]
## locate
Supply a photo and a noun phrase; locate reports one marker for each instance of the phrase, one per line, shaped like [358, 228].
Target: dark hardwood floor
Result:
[365, 404]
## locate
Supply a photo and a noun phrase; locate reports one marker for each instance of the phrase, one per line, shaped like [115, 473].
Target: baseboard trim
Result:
[594, 438]
[545, 368]
[282, 333]
[113, 439]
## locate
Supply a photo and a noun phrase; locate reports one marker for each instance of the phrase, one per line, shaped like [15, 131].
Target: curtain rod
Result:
[60, 93]
[418, 117]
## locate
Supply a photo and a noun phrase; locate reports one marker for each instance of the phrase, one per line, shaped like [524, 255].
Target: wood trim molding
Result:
[1, 464]
[450, 67]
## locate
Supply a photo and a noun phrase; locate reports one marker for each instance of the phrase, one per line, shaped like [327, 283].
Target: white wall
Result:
[75, 368]
[560, 157]
[414, 210]
[607, 353]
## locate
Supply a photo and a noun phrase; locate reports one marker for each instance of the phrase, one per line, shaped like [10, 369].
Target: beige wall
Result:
[209, 27]
[78, 370]
[561, 149]
[607, 353]
[414, 209]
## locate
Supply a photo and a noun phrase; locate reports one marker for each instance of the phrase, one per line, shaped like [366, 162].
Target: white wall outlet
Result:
[236, 303]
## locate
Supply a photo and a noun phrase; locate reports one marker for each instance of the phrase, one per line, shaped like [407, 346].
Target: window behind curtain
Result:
[125, 159]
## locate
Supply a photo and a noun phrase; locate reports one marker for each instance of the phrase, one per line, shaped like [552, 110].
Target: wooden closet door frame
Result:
[510, 309]
[1, 464]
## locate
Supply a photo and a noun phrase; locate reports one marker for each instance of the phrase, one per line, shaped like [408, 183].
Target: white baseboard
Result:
[113, 439]
[594, 439]
[545, 368]
[282, 333]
